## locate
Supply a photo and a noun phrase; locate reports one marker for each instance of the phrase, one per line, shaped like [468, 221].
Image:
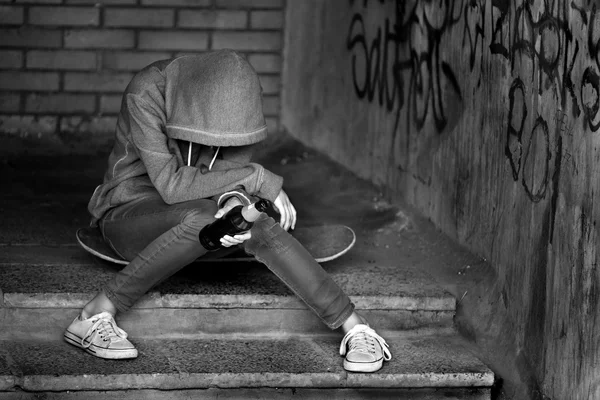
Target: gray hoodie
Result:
[186, 131]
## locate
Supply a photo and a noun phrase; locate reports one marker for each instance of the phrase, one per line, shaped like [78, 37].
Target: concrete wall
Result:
[485, 116]
[65, 63]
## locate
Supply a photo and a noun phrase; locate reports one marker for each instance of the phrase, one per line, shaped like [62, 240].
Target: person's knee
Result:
[197, 219]
[265, 233]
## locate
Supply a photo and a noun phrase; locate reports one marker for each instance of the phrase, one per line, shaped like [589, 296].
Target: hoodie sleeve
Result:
[177, 184]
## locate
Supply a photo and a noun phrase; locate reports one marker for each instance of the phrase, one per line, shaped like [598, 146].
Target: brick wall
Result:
[65, 63]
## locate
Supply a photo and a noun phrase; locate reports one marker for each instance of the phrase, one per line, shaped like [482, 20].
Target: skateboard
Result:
[324, 243]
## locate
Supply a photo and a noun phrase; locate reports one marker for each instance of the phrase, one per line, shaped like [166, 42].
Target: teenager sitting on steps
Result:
[181, 159]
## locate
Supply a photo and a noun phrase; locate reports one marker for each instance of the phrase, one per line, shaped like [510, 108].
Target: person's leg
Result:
[352, 321]
[364, 349]
[294, 265]
[158, 239]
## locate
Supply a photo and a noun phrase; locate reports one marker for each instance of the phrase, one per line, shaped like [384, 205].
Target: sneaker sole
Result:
[113, 354]
[363, 367]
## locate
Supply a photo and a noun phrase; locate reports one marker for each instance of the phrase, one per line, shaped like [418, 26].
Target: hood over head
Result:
[214, 99]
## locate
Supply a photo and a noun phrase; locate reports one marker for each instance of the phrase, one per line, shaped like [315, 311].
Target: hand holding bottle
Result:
[228, 241]
[233, 227]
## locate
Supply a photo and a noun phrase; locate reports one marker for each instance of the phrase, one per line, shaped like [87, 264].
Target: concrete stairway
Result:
[225, 330]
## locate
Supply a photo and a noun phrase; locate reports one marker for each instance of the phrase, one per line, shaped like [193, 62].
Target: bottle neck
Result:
[252, 212]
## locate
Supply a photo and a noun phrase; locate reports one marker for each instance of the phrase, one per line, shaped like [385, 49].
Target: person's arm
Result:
[177, 184]
[233, 157]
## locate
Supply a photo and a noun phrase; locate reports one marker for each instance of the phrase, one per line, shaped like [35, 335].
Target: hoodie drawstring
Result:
[214, 158]
[211, 163]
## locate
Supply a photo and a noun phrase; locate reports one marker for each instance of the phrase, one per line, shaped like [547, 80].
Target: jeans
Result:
[160, 239]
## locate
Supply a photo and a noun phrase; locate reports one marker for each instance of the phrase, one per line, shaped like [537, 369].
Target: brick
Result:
[250, 3]
[135, 17]
[11, 59]
[97, 38]
[26, 36]
[101, 2]
[110, 104]
[266, 19]
[61, 59]
[21, 80]
[10, 102]
[64, 16]
[173, 40]
[213, 19]
[60, 103]
[11, 15]
[265, 62]
[96, 82]
[86, 125]
[25, 125]
[271, 84]
[131, 61]
[175, 3]
[271, 105]
[249, 41]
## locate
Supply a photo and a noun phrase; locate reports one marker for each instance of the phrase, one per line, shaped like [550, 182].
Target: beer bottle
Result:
[238, 219]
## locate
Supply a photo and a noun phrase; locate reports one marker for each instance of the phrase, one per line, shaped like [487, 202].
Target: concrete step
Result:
[44, 287]
[422, 367]
[261, 394]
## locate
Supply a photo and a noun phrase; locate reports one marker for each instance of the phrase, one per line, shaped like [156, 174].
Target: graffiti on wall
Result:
[399, 64]
[544, 44]
[387, 75]
[542, 49]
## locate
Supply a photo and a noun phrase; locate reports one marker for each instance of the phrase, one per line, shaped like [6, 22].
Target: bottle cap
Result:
[262, 205]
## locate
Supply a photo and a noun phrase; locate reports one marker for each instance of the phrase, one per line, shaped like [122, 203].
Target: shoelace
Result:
[362, 338]
[105, 326]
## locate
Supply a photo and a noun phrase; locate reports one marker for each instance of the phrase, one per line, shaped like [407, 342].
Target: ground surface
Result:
[44, 201]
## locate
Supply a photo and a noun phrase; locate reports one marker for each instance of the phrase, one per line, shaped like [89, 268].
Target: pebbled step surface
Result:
[418, 362]
[46, 276]
[260, 394]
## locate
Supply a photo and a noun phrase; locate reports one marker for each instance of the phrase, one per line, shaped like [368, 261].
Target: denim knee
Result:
[264, 234]
[196, 219]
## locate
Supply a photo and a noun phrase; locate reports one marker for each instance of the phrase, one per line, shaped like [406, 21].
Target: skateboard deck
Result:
[324, 243]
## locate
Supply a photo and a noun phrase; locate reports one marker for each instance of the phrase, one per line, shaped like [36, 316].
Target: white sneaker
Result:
[366, 350]
[99, 335]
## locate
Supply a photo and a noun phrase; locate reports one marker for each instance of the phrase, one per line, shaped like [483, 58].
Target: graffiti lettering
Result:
[547, 44]
[399, 63]
[375, 60]
[474, 31]
[385, 66]
[591, 82]
[593, 41]
[535, 179]
[496, 44]
[514, 135]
